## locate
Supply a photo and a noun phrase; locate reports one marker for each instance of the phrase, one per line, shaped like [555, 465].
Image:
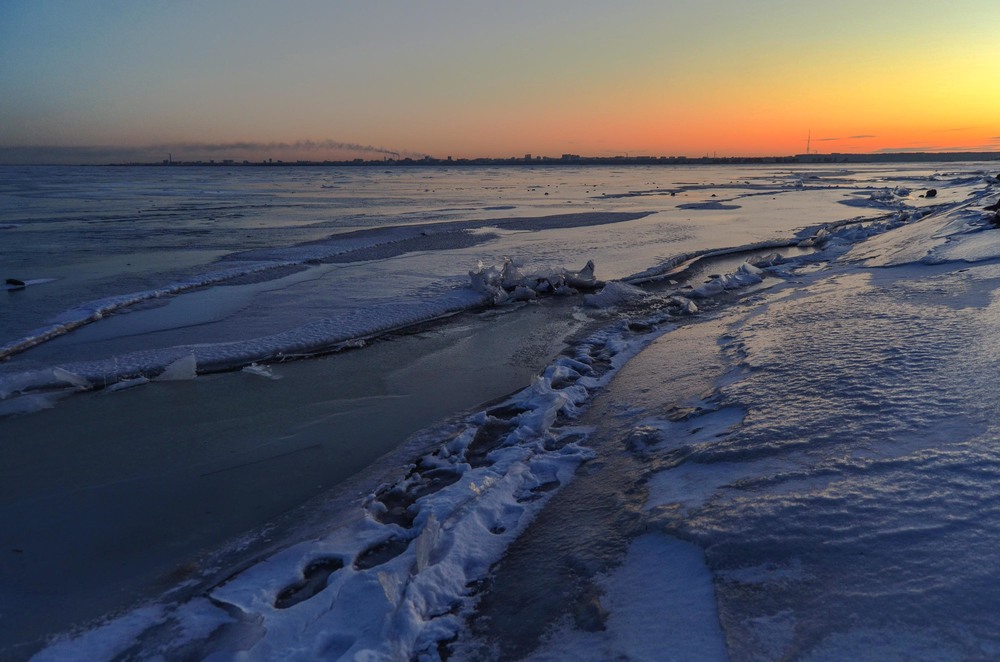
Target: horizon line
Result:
[899, 154]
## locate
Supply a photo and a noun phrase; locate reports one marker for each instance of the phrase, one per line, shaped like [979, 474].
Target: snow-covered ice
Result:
[798, 464]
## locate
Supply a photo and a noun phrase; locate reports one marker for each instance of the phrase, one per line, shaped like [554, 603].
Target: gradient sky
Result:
[464, 78]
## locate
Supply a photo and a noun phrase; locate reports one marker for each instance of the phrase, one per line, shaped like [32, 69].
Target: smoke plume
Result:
[318, 150]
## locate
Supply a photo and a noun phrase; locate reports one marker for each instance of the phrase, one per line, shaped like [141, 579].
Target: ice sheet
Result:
[839, 363]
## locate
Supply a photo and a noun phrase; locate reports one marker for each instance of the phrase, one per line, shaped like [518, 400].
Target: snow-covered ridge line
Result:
[664, 269]
[321, 336]
[397, 581]
[350, 329]
[96, 310]
[256, 262]
[294, 256]
[815, 236]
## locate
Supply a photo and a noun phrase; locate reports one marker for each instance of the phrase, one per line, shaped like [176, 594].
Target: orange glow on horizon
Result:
[652, 78]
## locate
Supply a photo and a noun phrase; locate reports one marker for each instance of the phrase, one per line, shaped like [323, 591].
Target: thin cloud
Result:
[971, 148]
[938, 148]
[858, 137]
[897, 150]
[297, 146]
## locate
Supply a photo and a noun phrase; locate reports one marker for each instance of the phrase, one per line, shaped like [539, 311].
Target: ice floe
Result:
[261, 371]
[182, 369]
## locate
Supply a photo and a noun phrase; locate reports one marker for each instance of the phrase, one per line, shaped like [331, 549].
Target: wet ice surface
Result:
[656, 570]
[759, 451]
[840, 479]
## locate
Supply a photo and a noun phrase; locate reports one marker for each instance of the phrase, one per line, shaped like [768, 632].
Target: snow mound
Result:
[614, 294]
[745, 275]
[506, 283]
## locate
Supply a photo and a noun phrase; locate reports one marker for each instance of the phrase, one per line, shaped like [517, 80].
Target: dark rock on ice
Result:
[931, 193]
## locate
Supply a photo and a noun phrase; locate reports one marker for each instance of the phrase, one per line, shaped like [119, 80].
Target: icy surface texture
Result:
[396, 582]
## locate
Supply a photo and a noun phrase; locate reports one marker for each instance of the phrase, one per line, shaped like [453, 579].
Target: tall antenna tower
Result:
[809, 141]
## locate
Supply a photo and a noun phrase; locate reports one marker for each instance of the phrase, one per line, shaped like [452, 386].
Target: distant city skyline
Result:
[120, 81]
[218, 155]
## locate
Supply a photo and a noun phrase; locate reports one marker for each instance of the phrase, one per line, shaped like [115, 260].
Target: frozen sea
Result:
[390, 413]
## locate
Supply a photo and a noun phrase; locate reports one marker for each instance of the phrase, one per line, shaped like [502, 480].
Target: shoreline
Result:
[572, 160]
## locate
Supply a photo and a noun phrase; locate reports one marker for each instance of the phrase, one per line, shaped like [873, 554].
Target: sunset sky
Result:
[458, 78]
